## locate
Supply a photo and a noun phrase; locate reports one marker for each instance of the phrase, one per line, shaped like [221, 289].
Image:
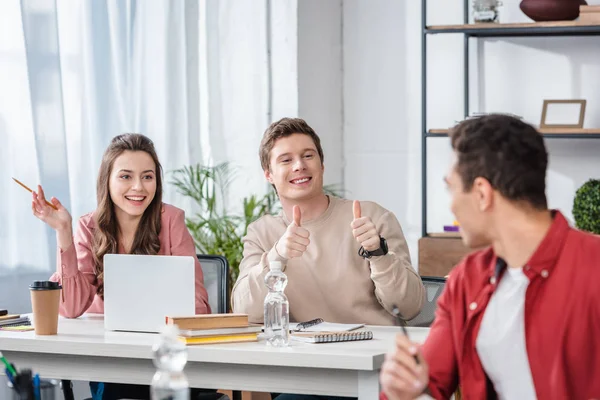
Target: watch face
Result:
[384, 246]
[381, 251]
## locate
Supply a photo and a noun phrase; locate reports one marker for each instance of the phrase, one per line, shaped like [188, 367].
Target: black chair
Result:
[216, 281]
[433, 288]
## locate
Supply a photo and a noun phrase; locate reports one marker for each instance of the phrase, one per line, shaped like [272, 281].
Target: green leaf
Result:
[586, 207]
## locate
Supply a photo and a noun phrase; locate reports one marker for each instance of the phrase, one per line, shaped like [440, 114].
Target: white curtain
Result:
[192, 75]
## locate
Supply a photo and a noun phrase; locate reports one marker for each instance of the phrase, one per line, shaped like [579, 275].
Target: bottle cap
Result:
[170, 330]
[275, 265]
[45, 285]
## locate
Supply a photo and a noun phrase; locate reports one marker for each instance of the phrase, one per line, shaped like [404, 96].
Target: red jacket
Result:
[562, 319]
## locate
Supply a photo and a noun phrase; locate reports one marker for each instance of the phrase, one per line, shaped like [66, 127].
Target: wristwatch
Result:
[381, 251]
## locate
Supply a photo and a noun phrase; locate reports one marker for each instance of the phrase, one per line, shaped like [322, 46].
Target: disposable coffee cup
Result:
[45, 298]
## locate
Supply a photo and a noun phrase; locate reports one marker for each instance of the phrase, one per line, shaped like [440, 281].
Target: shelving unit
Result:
[555, 28]
[549, 133]
[480, 30]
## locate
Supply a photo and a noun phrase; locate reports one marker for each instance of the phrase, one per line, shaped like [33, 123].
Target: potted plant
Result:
[215, 229]
[586, 207]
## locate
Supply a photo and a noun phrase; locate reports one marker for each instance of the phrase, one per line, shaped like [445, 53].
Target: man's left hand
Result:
[364, 230]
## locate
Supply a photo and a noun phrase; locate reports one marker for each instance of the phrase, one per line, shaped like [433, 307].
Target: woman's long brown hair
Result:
[106, 234]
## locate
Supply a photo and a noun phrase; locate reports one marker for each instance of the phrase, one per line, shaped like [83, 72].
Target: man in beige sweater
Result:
[346, 261]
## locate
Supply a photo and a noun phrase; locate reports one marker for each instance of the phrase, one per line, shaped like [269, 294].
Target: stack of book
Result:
[15, 322]
[215, 328]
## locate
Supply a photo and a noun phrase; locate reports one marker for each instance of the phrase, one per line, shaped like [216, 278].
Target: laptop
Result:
[140, 291]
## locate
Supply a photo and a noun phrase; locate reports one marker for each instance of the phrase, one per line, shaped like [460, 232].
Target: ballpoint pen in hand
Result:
[400, 322]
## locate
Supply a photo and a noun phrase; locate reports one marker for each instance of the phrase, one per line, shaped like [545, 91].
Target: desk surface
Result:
[86, 336]
[83, 350]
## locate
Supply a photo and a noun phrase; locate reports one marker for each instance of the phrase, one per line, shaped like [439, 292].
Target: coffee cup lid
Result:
[45, 285]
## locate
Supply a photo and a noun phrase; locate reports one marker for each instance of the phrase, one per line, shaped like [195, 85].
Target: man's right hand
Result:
[401, 377]
[294, 241]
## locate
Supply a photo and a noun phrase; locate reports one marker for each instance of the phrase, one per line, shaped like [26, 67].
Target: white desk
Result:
[83, 350]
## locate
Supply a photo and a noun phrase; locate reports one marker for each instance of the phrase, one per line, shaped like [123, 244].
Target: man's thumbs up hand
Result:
[294, 241]
[364, 230]
[356, 209]
[297, 215]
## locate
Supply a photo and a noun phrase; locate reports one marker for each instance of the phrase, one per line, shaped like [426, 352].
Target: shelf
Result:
[550, 133]
[450, 235]
[554, 28]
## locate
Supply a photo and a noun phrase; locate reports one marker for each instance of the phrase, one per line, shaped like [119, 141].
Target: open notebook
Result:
[319, 331]
[318, 325]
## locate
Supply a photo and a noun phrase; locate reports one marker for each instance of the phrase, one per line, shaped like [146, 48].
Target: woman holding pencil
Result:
[130, 219]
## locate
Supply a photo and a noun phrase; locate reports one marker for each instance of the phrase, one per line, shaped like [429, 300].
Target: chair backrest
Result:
[216, 277]
[433, 288]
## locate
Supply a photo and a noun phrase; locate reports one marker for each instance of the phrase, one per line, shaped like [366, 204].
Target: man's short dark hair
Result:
[283, 128]
[506, 151]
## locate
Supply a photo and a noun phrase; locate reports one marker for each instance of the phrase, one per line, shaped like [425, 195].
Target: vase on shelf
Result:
[551, 10]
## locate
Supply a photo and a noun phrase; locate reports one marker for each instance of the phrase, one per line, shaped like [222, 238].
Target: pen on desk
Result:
[31, 191]
[7, 364]
[400, 322]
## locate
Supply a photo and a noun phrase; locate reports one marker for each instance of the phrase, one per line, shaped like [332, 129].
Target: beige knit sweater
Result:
[330, 280]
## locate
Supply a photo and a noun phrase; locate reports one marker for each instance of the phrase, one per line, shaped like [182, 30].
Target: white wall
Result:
[381, 117]
[320, 78]
[382, 94]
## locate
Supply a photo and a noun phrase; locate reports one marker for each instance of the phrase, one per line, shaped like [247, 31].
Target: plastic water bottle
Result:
[277, 310]
[170, 357]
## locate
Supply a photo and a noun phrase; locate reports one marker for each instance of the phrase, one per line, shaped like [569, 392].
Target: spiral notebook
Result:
[318, 325]
[330, 337]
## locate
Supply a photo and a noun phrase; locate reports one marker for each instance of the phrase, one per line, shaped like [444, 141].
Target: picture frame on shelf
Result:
[563, 114]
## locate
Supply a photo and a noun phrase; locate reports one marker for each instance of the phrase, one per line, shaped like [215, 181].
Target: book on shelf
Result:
[208, 321]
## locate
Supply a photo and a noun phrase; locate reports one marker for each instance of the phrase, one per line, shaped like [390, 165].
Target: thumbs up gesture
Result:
[294, 241]
[364, 230]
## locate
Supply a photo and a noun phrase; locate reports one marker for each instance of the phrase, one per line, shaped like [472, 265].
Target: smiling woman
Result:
[130, 219]
[129, 196]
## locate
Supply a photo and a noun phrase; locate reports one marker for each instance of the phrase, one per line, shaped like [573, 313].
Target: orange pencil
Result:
[23, 185]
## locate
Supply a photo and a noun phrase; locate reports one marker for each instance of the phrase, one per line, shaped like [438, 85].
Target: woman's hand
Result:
[60, 220]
